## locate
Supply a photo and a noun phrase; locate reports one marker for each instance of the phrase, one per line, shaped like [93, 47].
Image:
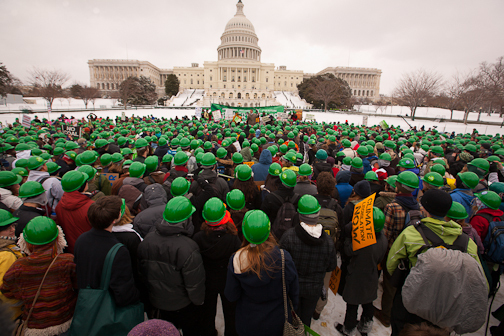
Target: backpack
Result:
[412, 216]
[287, 216]
[494, 240]
[444, 283]
[329, 220]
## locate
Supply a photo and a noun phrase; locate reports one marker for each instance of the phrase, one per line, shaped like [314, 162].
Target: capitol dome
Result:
[239, 40]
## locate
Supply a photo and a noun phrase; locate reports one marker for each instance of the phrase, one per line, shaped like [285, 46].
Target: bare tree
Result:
[492, 80]
[452, 92]
[415, 88]
[89, 94]
[470, 92]
[326, 91]
[49, 83]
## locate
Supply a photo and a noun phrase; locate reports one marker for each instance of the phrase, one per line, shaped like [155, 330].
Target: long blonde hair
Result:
[259, 256]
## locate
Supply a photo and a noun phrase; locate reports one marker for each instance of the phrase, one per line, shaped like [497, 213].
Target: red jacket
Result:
[480, 224]
[71, 213]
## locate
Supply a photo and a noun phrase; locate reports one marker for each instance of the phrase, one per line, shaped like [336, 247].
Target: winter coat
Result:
[102, 184]
[11, 201]
[171, 267]
[319, 167]
[375, 188]
[344, 190]
[147, 219]
[247, 154]
[361, 285]
[72, 216]
[161, 151]
[90, 252]
[52, 186]
[410, 241]
[305, 188]
[384, 198]
[219, 184]
[9, 253]
[481, 224]
[464, 197]
[260, 304]
[313, 257]
[26, 214]
[366, 165]
[260, 169]
[135, 182]
[349, 152]
[473, 234]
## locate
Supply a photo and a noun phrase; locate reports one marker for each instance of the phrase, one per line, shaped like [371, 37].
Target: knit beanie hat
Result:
[362, 188]
[437, 202]
[154, 328]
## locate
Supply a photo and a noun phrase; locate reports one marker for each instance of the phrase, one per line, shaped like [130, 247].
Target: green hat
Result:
[356, 162]
[378, 219]
[151, 163]
[180, 158]
[347, 160]
[457, 211]
[141, 143]
[237, 158]
[31, 189]
[167, 158]
[117, 157]
[52, 167]
[438, 168]
[89, 171]
[408, 179]
[288, 178]
[71, 155]
[214, 210]
[290, 157]
[308, 205]
[434, 179]
[275, 169]
[180, 186]
[88, 157]
[105, 159]
[406, 163]
[305, 169]
[497, 187]
[6, 218]
[235, 199]
[71, 145]
[254, 147]
[73, 180]
[137, 169]
[437, 150]
[362, 150]
[371, 176]
[479, 166]
[40, 230]
[208, 159]
[490, 199]
[256, 227]
[321, 154]
[58, 151]
[20, 171]
[243, 172]
[101, 143]
[126, 151]
[8, 178]
[221, 153]
[178, 209]
[35, 162]
[469, 179]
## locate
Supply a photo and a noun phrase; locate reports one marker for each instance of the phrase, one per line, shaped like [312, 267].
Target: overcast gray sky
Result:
[395, 36]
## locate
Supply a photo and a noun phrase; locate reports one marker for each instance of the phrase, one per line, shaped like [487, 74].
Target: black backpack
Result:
[287, 216]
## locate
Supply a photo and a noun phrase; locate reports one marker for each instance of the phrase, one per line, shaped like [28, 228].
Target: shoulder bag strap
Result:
[283, 285]
[107, 266]
[25, 323]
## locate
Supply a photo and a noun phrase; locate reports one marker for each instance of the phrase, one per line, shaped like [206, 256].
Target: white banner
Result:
[281, 116]
[310, 117]
[365, 120]
[216, 115]
[198, 112]
[228, 114]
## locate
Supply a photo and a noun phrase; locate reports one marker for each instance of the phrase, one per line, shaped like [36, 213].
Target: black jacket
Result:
[26, 214]
[272, 204]
[171, 267]
[147, 219]
[90, 251]
[161, 151]
[319, 167]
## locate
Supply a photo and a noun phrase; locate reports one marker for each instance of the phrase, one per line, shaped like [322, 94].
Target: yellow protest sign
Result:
[363, 233]
[249, 163]
[335, 280]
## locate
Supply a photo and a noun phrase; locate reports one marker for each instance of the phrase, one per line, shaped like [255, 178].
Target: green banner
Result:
[310, 332]
[245, 110]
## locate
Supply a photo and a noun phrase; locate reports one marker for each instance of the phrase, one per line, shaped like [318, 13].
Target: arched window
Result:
[191, 81]
[231, 95]
[245, 105]
[98, 86]
[239, 95]
[223, 95]
[103, 86]
[255, 95]
[263, 96]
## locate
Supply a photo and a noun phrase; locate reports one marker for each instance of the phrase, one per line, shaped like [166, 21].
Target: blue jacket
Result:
[345, 190]
[260, 169]
[366, 165]
[464, 197]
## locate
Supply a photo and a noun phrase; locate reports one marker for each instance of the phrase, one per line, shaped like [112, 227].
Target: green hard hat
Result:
[479, 166]
[101, 143]
[185, 142]
[180, 186]
[346, 143]
[89, 171]
[207, 145]
[40, 230]
[243, 172]
[321, 154]
[126, 151]
[490, 198]
[408, 179]
[88, 157]
[137, 169]
[117, 157]
[378, 219]
[180, 158]
[121, 141]
[34, 162]
[371, 176]
[23, 163]
[362, 150]
[356, 162]
[305, 169]
[256, 227]
[31, 189]
[275, 169]
[237, 158]
[20, 171]
[457, 211]
[71, 145]
[151, 163]
[6, 218]
[406, 163]
[214, 210]
[73, 180]
[308, 205]
[437, 150]
[105, 159]
[497, 187]
[288, 178]
[438, 168]
[221, 152]
[434, 179]
[235, 199]
[208, 159]
[8, 178]
[254, 147]
[141, 143]
[347, 160]
[470, 179]
[52, 167]
[178, 209]
[167, 158]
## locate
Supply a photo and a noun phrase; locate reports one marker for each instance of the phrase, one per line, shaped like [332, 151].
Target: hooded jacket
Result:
[171, 266]
[11, 201]
[247, 154]
[260, 169]
[161, 151]
[52, 186]
[219, 184]
[72, 216]
[319, 167]
[464, 197]
[147, 219]
[26, 214]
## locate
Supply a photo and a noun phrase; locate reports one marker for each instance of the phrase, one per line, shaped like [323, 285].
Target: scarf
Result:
[182, 169]
[314, 231]
[126, 228]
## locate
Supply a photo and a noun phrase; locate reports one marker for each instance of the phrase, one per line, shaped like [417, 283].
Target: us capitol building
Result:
[237, 78]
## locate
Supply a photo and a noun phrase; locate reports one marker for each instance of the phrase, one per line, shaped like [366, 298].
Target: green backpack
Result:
[96, 312]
